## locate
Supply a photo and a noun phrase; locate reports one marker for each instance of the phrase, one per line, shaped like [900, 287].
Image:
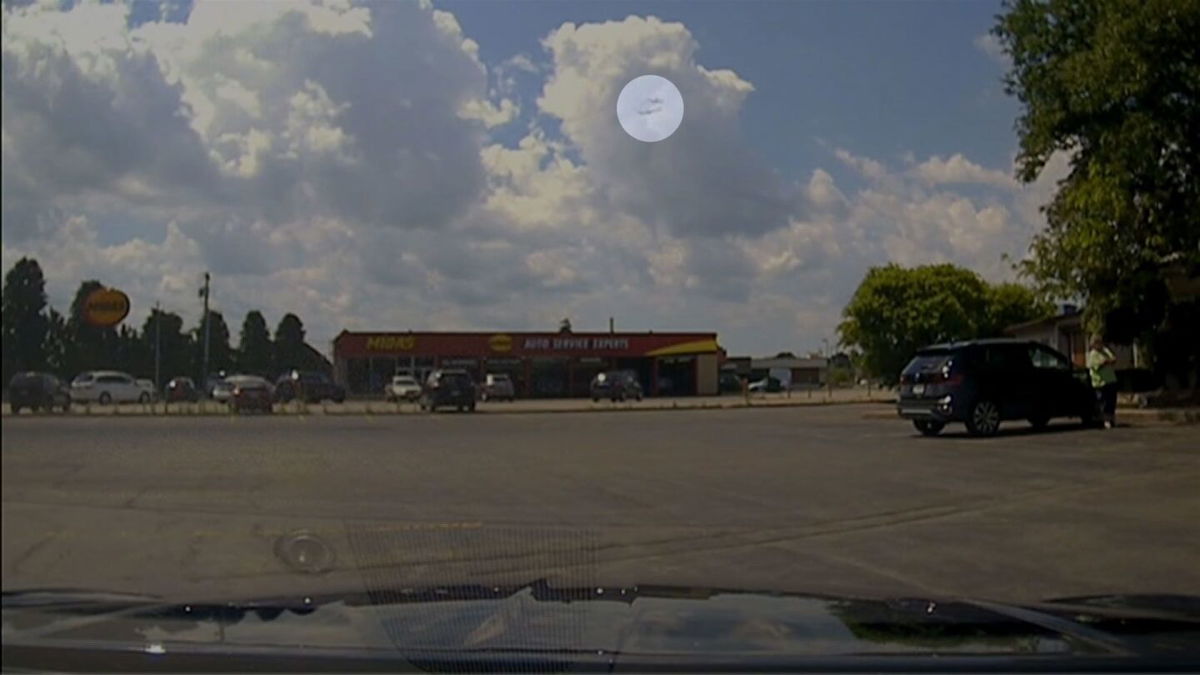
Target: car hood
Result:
[638, 622]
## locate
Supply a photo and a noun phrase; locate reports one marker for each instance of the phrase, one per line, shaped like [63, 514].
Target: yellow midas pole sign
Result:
[105, 307]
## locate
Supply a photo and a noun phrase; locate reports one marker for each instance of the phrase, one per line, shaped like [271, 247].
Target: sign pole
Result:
[204, 369]
[158, 349]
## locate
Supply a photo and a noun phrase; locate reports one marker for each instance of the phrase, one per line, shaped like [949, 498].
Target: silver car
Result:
[222, 391]
[497, 387]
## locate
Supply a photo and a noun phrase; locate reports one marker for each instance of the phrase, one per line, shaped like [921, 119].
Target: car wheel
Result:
[1039, 421]
[929, 427]
[15, 408]
[983, 419]
[595, 399]
[144, 398]
[105, 398]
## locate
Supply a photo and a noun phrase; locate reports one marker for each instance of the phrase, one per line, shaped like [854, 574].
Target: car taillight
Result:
[950, 379]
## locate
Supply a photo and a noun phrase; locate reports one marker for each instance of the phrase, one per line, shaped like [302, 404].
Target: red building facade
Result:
[540, 364]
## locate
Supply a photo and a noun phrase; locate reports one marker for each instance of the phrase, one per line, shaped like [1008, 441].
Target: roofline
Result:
[705, 334]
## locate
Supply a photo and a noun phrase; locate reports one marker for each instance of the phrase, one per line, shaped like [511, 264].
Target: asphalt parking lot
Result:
[828, 499]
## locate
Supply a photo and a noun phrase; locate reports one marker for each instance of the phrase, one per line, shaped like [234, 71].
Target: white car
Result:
[107, 386]
[148, 387]
[403, 388]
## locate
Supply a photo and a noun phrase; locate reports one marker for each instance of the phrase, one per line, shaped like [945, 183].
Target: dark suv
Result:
[616, 385]
[448, 388]
[984, 382]
[38, 391]
[314, 386]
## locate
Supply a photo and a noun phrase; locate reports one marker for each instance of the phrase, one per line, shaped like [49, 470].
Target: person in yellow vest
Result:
[1101, 363]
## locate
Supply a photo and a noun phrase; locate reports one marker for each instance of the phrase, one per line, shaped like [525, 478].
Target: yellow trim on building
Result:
[696, 347]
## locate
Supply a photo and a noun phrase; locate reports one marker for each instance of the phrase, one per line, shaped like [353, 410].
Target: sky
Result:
[459, 165]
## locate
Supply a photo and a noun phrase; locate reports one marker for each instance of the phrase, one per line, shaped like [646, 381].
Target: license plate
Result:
[918, 389]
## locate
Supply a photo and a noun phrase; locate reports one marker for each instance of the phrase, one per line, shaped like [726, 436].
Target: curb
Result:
[317, 411]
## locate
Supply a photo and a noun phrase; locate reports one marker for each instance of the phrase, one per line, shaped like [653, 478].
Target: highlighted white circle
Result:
[650, 108]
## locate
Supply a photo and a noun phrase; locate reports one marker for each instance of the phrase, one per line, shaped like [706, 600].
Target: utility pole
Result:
[204, 368]
[157, 347]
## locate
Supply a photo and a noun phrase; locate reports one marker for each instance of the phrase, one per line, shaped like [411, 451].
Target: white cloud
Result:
[867, 167]
[237, 143]
[990, 45]
[959, 169]
[703, 179]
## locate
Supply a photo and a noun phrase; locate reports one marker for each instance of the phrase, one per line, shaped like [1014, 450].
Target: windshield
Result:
[575, 329]
[929, 362]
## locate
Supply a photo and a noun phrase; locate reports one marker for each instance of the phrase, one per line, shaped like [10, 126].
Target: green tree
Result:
[1115, 84]
[24, 321]
[88, 347]
[255, 350]
[897, 310]
[220, 354]
[1008, 304]
[57, 344]
[175, 346]
[290, 350]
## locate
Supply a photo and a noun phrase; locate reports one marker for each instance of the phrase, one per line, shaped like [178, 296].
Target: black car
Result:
[984, 382]
[313, 386]
[448, 388]
[729, 383]
[38, 391]
[616, 385]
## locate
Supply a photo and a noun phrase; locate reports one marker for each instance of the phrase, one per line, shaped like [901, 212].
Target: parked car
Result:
[38, 391]
[182, 389]
[221, 391]
[982, 383]
[448, 388]
[107, 386]
[766, 385]
[148, 387]
[497, 387]
[250, 393]
[616, 385]
[729, 383]
[403, 388]
[314, 386]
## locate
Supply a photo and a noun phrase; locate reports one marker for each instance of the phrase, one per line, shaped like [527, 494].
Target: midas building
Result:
[540, 364]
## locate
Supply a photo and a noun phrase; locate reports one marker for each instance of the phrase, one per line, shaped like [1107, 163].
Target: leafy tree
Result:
[897, 310]
[57, 344]
[175, 346]
[88, 347]
[1115, 84]
[290, 350]
[1009, 304]
[24, 322]
[254, 352]
[220, 354]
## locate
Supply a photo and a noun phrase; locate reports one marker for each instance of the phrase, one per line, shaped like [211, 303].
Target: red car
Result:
[182, 389]
[250, 393]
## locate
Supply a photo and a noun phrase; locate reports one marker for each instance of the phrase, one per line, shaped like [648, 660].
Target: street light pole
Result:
[157, 346]
[204, 369]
